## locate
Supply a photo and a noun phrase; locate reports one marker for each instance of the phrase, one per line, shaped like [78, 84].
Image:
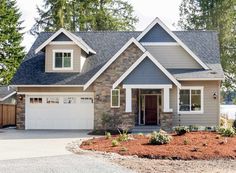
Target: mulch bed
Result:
[200, 145]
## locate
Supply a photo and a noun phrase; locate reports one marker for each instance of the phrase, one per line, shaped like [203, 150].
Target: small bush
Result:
[193, 128]
[123, 136]
[186, 141]
[181, 130]
[115, 143]
[226, 131]
[159, 138]
[124, 149]
[234, 124]
[108, 135]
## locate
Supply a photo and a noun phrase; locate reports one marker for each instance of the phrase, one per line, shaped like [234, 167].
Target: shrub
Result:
[159, 138]
[185, 141]
[181, 130]
[193, 128]
[115, 143]
[234, 124]
[226, 131]
[124, 149]
[108, 135]
[123, 136]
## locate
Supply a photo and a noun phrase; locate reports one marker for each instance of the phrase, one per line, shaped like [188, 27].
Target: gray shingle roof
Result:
[5, 91]
[32, 70]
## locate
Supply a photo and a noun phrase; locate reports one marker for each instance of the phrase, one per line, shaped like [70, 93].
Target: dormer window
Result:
[63, 59]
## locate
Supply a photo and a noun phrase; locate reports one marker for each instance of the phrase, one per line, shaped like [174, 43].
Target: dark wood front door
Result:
[151, 110]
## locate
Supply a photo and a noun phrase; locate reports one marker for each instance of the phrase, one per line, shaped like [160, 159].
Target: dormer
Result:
[65, 52]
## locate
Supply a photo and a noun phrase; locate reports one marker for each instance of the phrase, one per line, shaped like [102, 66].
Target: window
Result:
[69, 100]
[36, 100]
[191, 100]
[86, 100]
[63, 59]
[115, 98]
[52, 100]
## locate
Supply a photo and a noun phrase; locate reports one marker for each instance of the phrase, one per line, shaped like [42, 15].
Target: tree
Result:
[11, 52]
[219, 15]
[84, 15]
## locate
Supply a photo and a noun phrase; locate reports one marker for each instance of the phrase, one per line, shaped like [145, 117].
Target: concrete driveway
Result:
[45, 151]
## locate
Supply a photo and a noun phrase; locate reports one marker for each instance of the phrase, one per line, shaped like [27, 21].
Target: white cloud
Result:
[146, 10]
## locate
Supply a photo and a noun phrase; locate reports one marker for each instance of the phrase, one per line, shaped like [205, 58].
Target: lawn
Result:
[193, 145]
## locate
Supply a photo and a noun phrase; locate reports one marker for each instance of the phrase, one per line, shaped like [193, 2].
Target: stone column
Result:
[20, 112]
[166, 120]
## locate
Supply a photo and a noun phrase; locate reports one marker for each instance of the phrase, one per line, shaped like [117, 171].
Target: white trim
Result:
[200, 79]
[154, 60]
[54, 51]
[147, 86]
[47, 85]
[9, 95]
[158, 21]
[118, 98]
[128, 100]
[62, 43]
[132, 40]
[166, 105]
[160, 44]
[73, 37]
[202, 99]
[56, 93]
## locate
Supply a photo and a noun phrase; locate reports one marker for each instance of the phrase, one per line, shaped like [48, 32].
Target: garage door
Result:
[59, 111]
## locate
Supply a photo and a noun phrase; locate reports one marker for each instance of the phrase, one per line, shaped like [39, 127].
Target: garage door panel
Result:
[76, 115]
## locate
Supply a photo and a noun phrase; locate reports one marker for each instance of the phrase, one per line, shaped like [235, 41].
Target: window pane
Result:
[67, 62]
[115, 92]
[184, 100]
[115, 101]
[196, 100]
[58, 60]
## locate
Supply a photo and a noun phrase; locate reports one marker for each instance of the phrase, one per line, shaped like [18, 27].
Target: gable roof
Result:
[155, 61]
[106, 65]
[185, 47]
[106, 44]
[71, 36]
[6, 92]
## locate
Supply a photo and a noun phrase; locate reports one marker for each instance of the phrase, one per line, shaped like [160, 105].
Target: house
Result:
[154, 77]
[7, 95]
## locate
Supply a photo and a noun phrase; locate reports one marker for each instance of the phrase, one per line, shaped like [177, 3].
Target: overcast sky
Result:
[146, 10]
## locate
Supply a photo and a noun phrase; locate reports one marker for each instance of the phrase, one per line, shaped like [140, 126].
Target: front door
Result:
[151, 109]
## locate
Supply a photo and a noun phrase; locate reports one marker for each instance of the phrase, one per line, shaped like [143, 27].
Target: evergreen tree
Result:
[84, 15]
[11, 52]
[219, 15]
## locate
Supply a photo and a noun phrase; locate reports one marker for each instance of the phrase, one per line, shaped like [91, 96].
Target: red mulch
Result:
[201, 145]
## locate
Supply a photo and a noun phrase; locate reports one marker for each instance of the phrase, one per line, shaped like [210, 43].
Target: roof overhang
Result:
[158, 21]
[77, 40]
[9, 95]
[155, 61]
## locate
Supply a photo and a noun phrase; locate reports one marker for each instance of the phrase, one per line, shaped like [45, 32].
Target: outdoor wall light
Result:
[20, 97]
[214, 95]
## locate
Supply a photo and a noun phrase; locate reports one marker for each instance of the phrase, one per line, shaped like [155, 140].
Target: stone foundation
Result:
[166, 120]
[20, 112]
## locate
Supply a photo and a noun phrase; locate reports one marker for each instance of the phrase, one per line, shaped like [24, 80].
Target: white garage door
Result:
[59, 111]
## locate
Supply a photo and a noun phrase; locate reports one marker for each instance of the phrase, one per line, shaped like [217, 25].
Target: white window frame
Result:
[118, 98]
[54, 51]
[191, 88]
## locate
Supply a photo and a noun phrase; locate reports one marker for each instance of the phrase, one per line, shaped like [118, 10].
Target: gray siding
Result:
[157, 34]
[211, 114]
[147, 73]
[173, 57]
[61, 37]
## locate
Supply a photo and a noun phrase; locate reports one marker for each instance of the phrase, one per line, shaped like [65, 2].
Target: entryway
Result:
[149, 107]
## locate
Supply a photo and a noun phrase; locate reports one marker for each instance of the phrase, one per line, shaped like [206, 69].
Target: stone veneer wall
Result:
[20, 112]
[103, 85]
[166, 120]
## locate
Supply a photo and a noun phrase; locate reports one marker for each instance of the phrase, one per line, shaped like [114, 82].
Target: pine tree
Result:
[219, 15]
[11, 52]
[84, 15]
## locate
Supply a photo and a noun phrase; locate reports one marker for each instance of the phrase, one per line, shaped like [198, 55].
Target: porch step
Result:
[145, 129]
